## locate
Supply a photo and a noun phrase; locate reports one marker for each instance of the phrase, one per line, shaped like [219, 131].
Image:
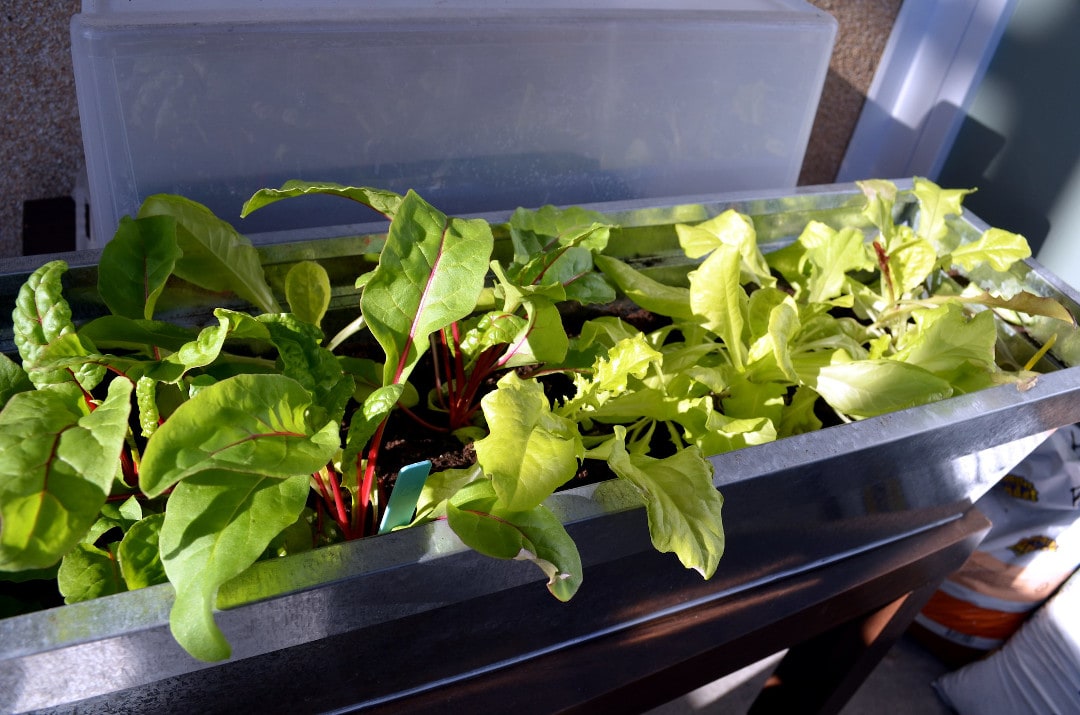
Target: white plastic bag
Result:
[1031, 549]
[1037, 671]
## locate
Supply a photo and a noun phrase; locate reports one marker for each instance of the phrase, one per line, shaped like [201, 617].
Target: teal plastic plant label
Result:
[402, 504]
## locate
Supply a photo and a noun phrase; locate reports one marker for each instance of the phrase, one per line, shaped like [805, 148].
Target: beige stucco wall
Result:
[40, 145]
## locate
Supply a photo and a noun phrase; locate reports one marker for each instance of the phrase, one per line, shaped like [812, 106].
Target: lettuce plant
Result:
[135, 451]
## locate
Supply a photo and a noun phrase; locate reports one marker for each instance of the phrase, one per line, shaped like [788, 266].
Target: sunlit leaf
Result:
[535, 535]
[530, 451]
[730, 228]
[866, 388]
[946, 338]
[216, 525]
[651, 295]
[717, 298]
[430, 274]
[13, 379]
[935, 204]
[307, 290]
[41, 318]
[682, 504]
[832, 254]
[247, 423]
[997, 247]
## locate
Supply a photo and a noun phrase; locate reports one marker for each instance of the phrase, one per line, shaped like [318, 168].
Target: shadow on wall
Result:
[1022, 164]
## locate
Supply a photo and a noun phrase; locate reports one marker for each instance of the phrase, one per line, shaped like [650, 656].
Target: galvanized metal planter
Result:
[369, 621]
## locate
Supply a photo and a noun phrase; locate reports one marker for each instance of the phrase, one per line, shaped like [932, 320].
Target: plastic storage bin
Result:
[477, 106]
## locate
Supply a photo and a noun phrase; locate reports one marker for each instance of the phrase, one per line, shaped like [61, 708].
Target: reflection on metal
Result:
[380, 606]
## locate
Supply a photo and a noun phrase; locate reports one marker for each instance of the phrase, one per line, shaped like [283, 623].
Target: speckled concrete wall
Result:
[40, 144]
[864, 30]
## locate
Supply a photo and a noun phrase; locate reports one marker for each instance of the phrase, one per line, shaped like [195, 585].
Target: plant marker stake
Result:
[402, 504]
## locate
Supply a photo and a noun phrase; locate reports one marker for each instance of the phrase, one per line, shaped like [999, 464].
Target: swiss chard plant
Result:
[135, 451]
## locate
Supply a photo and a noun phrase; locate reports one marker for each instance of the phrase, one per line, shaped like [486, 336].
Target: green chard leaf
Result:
[136, 263]
[385, 202]
[572, 268]
[555, 247]
[530, 451]
[367, 378]
[536, 535]
[513, 293]
[303, 359]
[13, 379]
[41, 318]
[88, 572]
[246, 423]
[682, 504]
[114, 332]
[139, 554]
[542, 339]
[41, 313]
[215, 256]
[672, 301]
[365, 422]
[57, 465]
[114, 516]
[491, 329]
[307, 290]
[146, 399]
[217, 524]
[534, 232]
[199, 352]
[431, 272]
